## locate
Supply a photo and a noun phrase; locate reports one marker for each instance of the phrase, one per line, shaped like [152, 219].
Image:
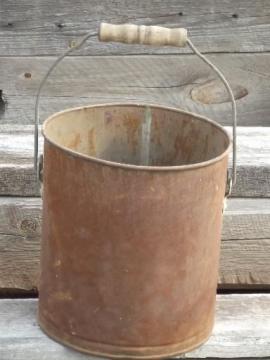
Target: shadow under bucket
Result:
[131, 233]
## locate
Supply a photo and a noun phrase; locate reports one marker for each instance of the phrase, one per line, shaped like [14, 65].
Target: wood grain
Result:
[245, 249]
[178, 81]
[246, 219]
[244, 263]
[242, 329]
[42, 28]
[17, 175]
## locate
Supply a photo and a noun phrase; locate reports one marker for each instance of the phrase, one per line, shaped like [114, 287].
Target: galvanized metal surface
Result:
[130, 253]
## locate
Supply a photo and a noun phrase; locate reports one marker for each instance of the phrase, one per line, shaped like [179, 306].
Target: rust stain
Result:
[92, 142]
[132, 125]
[180, 146]
[75, 142]
[57, 263]
[62, 295]
[185, 145]
[108, 117]
[156, 132]
[206, 148]
[155, 124]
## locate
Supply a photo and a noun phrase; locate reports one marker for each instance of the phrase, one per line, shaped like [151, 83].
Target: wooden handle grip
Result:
[140, 34]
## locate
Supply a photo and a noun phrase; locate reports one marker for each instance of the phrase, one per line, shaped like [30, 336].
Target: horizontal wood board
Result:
[17, 176]
[242, 330]
[41, 28]
[178, 81]
[245, 248]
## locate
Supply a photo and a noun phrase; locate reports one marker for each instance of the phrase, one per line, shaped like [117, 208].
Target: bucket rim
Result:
[132, 166]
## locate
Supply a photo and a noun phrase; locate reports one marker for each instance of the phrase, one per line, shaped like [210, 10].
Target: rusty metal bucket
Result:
[130, 251]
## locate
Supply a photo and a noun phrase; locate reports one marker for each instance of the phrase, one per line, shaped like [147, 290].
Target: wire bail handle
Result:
[145, 35]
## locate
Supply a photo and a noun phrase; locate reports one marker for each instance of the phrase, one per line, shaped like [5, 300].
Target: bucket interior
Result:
[124, 134]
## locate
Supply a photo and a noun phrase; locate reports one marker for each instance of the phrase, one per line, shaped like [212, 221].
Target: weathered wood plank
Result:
[245, 249]
[241, 330]
[246, 219]
[19, 262]
[244, 263]
[179, 81]
[42, 28]
[20, 225]
[17, 176]
[20, 217]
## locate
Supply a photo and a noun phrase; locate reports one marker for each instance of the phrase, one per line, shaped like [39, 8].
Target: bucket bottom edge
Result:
[122, 352]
